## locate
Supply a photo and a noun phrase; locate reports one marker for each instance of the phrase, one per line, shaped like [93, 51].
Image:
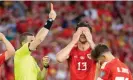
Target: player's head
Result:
[100, 52]
[26, 37]
[81, 25]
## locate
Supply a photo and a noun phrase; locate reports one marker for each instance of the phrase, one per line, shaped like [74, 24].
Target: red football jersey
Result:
[80, 65]
[114, 70]
[2, 58]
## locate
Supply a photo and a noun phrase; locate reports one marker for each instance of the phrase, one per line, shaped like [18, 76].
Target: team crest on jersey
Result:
[102, 73]
[89, 56]
[82, 57]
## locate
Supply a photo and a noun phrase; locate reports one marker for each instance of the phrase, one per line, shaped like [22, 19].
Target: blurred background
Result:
[112, 23]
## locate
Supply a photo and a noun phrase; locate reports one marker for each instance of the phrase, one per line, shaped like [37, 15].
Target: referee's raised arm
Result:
[44, 30]
[39, 38]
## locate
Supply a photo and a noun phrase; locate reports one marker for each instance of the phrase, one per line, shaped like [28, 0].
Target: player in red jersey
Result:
[10, 49]
[111, 68]
[77, 53]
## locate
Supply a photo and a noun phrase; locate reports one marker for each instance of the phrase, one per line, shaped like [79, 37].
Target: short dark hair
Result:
[83, 24]
[98, 51]
[24, 35]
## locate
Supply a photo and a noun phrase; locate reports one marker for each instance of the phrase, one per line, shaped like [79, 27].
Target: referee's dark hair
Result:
[84, 24]
[98, 51]
[23, 36]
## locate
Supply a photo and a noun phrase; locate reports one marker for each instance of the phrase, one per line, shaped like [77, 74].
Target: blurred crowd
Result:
[112, 23]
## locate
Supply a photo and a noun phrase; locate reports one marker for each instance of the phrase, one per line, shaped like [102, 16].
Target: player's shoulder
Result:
[123, 65]
[107, 65]
[114, 62]
[74, 50]
[104, 65]
[118, 62]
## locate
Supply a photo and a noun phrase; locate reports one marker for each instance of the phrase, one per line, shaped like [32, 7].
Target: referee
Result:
[26, 67]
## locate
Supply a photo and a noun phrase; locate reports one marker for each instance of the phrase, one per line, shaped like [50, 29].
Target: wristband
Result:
[46, 66]
[48, 24]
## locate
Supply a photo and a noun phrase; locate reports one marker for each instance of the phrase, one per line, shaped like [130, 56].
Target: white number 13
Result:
[84, 64]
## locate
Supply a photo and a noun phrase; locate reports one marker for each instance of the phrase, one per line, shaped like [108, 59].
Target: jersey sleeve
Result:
[71, 52]
[70, 55]
[23, 51]
[104, 72]
[2, 58]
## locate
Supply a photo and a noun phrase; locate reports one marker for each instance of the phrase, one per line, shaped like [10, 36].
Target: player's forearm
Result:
[10, 49]
[42, 74]
[64, 53]
[97, 70]
[92, 44]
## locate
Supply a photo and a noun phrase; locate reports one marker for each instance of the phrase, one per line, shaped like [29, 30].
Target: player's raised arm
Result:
[10, 51]
[44, 30]
[64, 53]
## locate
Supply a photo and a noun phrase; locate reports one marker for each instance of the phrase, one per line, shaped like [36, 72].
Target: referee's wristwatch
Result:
[49, 23]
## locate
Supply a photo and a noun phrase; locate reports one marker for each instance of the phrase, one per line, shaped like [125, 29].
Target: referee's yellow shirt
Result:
[25, 66]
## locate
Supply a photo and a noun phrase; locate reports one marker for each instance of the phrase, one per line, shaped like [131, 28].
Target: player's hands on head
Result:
[52, 13]
[2, 36]
[87, 33]
[76, 36]
[46, 60]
